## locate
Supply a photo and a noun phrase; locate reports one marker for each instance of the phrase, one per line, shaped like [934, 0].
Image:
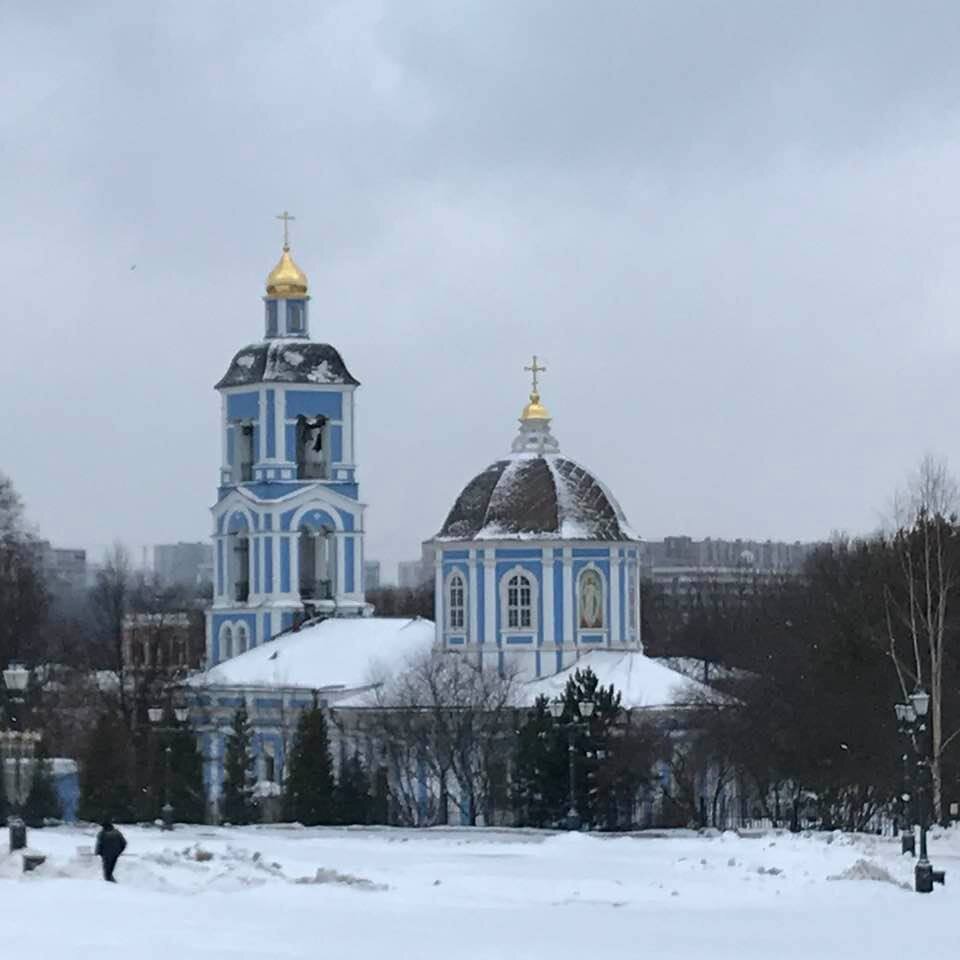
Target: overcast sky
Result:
[732, 230]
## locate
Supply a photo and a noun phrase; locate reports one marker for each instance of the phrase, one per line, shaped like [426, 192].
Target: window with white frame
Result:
[519, 602]
[226, 643]
[456, 602]
[241, 638]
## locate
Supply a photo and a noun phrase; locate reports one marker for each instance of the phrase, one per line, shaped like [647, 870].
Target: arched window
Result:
[226, 643]
[519, 602]
[590, 599]
[241, 638]
[456, 602]
[240, 573]
[318, 550]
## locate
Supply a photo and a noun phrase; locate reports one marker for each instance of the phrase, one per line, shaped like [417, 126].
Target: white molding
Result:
[447, 581]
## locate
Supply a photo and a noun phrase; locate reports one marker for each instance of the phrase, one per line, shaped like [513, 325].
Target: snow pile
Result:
[868, 870]
[344, 879]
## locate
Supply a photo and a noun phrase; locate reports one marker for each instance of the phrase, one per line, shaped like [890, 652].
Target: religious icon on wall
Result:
[591, 600]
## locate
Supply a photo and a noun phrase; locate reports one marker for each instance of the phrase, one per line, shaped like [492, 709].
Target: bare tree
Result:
[926, 546]
[23, 597]
[445, 725]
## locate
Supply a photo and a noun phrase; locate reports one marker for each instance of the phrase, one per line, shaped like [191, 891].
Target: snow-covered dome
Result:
[530, 496]
[287, 361]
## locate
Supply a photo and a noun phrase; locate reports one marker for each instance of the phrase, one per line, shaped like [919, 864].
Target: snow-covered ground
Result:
[288, 893]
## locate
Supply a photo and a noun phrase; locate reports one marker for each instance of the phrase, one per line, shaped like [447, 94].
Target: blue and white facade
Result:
[288, 521]
[535, 564]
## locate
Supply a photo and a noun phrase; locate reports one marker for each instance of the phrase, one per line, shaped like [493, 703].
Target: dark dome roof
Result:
[531, 497]
[286, 361]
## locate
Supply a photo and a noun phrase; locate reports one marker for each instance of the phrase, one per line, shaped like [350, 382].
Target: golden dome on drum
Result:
[286, 279]
[535, 410]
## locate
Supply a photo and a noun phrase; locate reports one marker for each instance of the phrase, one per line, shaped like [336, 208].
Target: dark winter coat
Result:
[110, 843]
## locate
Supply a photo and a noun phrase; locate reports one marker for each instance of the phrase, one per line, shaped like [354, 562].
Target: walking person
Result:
[110, 844]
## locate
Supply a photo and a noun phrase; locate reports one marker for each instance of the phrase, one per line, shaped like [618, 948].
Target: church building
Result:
[288, 521]
[536, 566]
[536, 563]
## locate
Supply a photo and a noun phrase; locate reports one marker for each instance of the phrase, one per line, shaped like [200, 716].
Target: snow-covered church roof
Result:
[287, 361]
[339, 653]
[533, 495]
[642, 681]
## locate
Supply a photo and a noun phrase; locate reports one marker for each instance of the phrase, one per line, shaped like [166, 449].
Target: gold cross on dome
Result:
[535, 368]
[286, 218]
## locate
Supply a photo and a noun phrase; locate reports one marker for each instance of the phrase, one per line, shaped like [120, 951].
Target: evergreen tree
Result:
[353, 800]
[3, 791]
[540, 772]
[309, 797]
[239, 806]
[105, 774]
[42, 801]
[186, 776]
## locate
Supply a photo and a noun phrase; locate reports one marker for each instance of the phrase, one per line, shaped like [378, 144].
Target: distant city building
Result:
[163, 644]
[766, 555]
[413, 574]
[64, 568]
[189, 564]
[371, 575]
[686, 570]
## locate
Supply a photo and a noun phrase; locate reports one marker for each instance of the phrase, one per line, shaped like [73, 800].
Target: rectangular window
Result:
[245, 459]
[294, 316]
[271, 318]
[311, 448]
[456, 605]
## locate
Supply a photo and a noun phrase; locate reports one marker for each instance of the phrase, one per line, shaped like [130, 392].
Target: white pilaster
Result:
[569, 606]
[275, 544]
[223, 434]
[279, 430]
[440, 601]
[347, 423]
[358, 567]
[474, 600]
[262, 425]
[294, 539]
[341, 578]
[489, 599]
[549, 634]
[615, 636]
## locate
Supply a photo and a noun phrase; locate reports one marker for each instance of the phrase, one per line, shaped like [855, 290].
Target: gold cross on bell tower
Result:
[286, 218]
[535, 369]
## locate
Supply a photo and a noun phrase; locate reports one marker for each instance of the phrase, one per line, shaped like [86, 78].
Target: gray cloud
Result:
[731, 229]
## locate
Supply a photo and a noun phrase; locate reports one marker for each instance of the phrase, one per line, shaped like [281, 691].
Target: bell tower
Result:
[288, 521]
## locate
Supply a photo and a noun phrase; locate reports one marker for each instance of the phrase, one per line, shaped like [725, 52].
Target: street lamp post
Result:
[908, 842]
[156, 715]
[18, 744]
[912, 717]
[584, 711]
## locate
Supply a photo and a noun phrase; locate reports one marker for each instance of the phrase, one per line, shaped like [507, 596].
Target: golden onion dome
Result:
[535, 410]
[286, 279]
